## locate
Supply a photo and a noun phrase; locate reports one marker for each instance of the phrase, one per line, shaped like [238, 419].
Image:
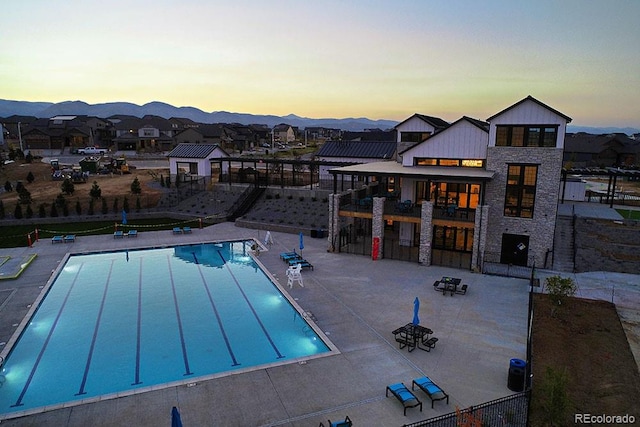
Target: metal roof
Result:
[432, 172]
[358, 149]
[193, 151]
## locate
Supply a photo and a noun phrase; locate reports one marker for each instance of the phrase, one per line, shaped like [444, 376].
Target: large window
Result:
[526, 136]
[469, 163]
[452, 238]
[521, 190]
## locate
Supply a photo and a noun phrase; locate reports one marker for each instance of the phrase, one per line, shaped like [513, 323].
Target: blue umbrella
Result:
[176, 421]
[124, 216]
[416, 307]
[301, 242]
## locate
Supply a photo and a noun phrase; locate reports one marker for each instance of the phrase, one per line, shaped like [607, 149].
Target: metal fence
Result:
[510, 411]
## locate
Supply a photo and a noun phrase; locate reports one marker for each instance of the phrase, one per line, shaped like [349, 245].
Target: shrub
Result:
[78, 207]
[68, 187]
[42, 210]
[135, 186]
[559, 288]
[556, 401]
[95, 191]
[105, 208]
[30, 177]
[17, 213]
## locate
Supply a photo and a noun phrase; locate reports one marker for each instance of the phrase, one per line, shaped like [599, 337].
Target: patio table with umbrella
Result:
[412, 334]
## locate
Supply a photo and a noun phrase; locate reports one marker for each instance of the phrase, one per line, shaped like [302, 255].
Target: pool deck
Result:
[357, 302]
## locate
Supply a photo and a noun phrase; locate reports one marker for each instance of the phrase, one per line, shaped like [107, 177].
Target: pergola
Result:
[612, 173]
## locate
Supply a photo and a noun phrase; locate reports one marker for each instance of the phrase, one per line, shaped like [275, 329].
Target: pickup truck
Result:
[91, 150]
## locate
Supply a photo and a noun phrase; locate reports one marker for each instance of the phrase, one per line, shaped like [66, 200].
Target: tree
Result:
[28, 158]
[17, 213]
[559, 288]
[24, 197]
[556, 402]
[29, 213]
[30, 177]
[135, 186]
[78, 207]
[138, 206]
[19, 186]
[95, 191]
[161, 181]
[42, 212]
[116, 208]
[60, 201]
[167, 181]
[8, 187]
[1, 210]
[91, 208]
[105, 207]
[54, 211]
[68, 187]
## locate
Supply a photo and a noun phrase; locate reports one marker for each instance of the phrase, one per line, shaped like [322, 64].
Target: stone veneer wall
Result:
[541, 227]
[426, 233]
[377, 223]
[334, 222]
[479, 237]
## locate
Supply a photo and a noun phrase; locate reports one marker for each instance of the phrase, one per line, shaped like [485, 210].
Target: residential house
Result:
[588, 150]
[284, 133]
[344, 152]
[469, 193]
[147, 134]
[204, 134]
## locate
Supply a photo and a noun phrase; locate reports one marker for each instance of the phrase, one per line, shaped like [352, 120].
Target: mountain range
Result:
[49, 109]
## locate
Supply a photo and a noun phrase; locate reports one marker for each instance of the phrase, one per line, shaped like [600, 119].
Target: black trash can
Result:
[517, 372]
[320, 233]
[314, 233]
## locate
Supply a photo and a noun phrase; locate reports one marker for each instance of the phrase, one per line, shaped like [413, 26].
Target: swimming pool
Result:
[121, 322]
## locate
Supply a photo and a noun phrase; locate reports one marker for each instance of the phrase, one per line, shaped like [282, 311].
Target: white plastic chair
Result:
[294, 274]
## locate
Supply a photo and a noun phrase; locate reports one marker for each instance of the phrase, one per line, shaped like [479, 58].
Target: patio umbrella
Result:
[301, 242]
[176, 421]
[124, 216]
[416, 307]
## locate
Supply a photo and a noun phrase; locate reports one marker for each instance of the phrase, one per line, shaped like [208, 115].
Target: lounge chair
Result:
[177, 230]
[57, 239]
[70, 238]
[118, 234]
[285, 255]
[186, 230]
[132, 233]
[402, 393]
[434, 392]
[344, 423]
[291, 256]
[302, 262]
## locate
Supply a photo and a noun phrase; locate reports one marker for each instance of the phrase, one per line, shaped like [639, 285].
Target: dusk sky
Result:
[375, 59]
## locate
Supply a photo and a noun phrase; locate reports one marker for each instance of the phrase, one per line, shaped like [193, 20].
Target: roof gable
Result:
[436, 122]
[530, 99]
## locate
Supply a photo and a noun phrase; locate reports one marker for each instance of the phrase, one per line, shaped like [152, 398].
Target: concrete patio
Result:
[357, 302]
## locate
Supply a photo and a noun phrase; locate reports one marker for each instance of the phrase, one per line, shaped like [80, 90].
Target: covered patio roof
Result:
[392, 168]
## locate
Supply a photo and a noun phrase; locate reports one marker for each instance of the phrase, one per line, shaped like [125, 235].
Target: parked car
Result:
[91, 150]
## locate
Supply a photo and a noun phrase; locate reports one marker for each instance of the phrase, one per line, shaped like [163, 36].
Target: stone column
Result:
[333, 233]
[377, 223]
[426, 233]
[480, 237]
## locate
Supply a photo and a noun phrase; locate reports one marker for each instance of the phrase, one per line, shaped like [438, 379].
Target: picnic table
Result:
[411, 336]
[447, 284]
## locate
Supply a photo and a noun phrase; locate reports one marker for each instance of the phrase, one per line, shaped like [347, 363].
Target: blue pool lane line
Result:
[138, 328]
[95, 333]
[185, 357]
[46, 341]
[255, 314]
[219, 319]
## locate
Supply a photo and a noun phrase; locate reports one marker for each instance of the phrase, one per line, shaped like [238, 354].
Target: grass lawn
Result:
[16, 235]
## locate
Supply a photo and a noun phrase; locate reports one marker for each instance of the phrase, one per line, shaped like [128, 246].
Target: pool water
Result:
[119, 321]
